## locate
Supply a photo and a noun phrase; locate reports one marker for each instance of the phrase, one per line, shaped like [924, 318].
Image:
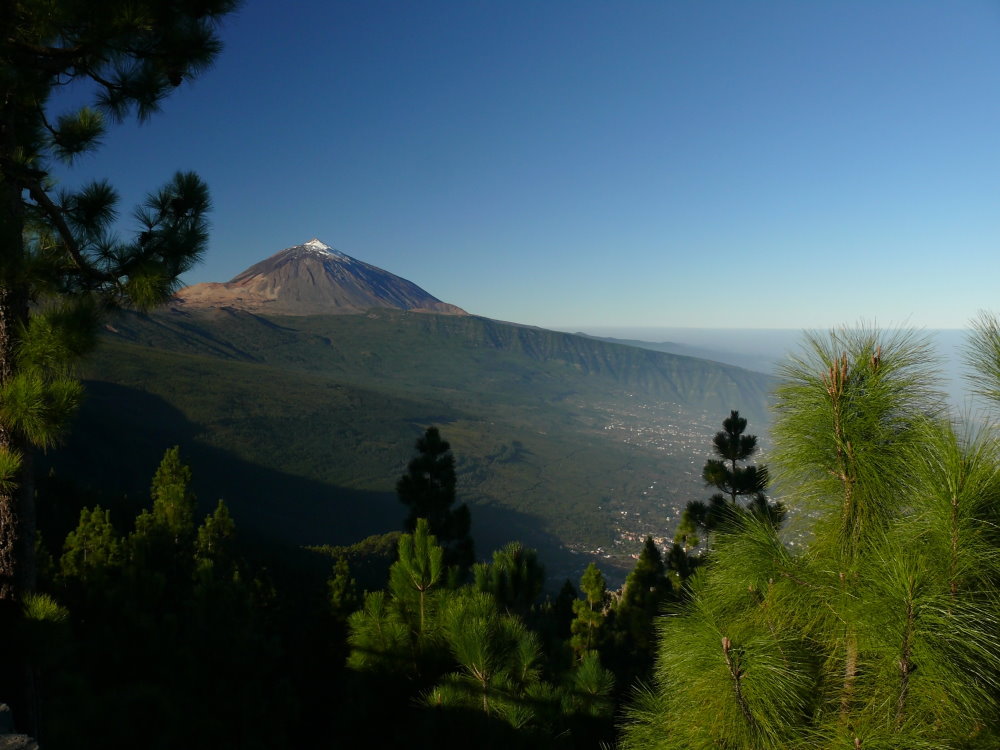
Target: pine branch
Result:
[736, 673]
[54, 214]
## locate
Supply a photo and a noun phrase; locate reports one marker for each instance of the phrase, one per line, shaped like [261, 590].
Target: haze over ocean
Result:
[764, 348]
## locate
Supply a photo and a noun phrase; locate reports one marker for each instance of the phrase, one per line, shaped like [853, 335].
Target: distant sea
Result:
[762, 349]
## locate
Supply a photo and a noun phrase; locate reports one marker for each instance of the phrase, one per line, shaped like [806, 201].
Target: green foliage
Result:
[93, 548]
[380, 638]
[982, 354]
[38, 408]
[59, 334]
[484, 387]
[417, 573]
[646, 590]
[497, 658]
[160, 626]
[216, 534]
[741, 488]
[589, 611]
[10, 466]
[173, 501]
[428, 490]
[343, 590]
[62, 264]
[590, 688]
[43, 608]
[215, 545]
[514, 578]
[883, 632]
[849, 424]
[162, 547]
[399, 630]
[470, 657]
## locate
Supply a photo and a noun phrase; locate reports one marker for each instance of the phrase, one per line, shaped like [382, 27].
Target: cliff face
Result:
[314, 279]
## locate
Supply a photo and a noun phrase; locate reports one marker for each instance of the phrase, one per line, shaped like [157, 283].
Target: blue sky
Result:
[575, 164]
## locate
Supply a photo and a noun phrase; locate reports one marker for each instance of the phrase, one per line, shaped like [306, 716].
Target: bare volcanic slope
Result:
[313, 279]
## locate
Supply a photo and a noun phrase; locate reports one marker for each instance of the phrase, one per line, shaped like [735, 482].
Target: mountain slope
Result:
[303, 420]
[469, 354]
[304, 423]
[311, 279]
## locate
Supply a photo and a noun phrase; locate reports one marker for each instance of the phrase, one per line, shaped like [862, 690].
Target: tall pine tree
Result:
[587, 627]
[61, 265]
[882, 633]
[741, 487]
[428, 490]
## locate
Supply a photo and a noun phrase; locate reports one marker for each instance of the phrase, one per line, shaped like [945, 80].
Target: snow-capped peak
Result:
[315, 244]
[316, 247]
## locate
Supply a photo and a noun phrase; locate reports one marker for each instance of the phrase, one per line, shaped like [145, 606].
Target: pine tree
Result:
[61, 265]
[417, 574]
[342, 590]
[741, 488]
[882, 633]
[590, 691]
[173, 500]
[562, 609]
[587, 627]
[497, 656]
[645, 591]
[514, 578]
[399, 629]
[215, 546]
[92, 548]
[428, 490]
[732, 446]
[162, 546]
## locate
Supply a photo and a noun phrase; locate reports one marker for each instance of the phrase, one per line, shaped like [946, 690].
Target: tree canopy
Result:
[882, 632]
[61, 261]
[428, 490]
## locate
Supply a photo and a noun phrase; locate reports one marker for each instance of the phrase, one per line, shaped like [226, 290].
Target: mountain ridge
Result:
[335, 344]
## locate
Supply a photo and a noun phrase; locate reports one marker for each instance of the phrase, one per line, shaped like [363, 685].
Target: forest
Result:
[166, 628]
[163, 627]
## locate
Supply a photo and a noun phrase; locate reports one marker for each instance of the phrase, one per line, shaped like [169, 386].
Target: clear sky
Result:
[576, 163]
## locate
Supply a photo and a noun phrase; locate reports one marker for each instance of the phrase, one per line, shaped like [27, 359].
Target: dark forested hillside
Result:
[303, 423]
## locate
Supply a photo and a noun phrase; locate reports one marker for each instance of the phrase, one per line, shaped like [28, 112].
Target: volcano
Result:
[313, 279]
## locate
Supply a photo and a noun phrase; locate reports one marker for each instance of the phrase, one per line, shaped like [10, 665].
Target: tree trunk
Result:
[17, 507]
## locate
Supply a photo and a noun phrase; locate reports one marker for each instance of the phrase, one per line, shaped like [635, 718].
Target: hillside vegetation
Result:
[303, 423]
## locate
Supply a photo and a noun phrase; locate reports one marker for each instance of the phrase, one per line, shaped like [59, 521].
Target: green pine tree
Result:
[92, 548]
[173, 500]
[741, 487]
[215, 545]
[646, 590]
[497, 656]
[61, 264]
[590, 694]
[428, 490]
[514, 578]
[162, 546]
[882, 633]
[342, 590]
[398, 629]
[587, 627]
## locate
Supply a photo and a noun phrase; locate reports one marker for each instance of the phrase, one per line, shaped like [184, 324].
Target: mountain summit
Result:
[313, 279]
